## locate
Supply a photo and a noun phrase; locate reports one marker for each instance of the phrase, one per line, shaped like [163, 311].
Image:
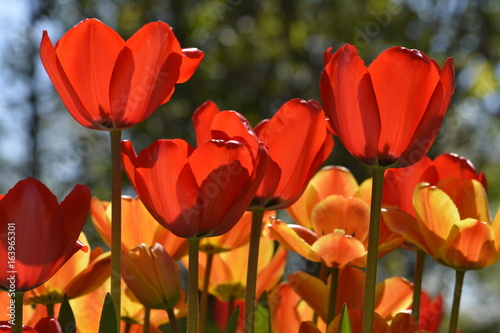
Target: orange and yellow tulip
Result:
[452, 224]
[138, 226]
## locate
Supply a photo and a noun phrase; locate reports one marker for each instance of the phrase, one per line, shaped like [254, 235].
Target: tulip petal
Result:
[327, 181]
[337, 249]
[393, 295]
[191, 58]
[312, 290]
[145, 73]
[291, 240]
[436, 214]
[469, 196]
[87, 54]
[298, 142]
[404, 81]
[470, 245]
[403, 223]
[350, 103]
[284, 314]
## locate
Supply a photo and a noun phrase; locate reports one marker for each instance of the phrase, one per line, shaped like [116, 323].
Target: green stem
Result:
[173, 321]
[50, 310]
[147, 315]
[192, 322]
[457, 294]
[116, 224]
[204, 293]
[18, 312]
[372, 256]
[417, 285]
[253, 257]
[333, 294]
[128, 326]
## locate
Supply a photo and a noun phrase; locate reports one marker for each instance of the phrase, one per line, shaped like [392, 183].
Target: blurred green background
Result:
[258, 55]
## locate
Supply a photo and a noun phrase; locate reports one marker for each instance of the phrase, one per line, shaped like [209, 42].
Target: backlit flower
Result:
[390, 112]
[107, 83]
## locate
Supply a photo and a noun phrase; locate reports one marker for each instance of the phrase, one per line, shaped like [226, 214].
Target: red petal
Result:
[145, 74]
[191, 58]
[87, 54]
[404, 82]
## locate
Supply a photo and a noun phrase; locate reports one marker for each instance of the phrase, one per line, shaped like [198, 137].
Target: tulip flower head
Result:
[387, 114]
[452, 224]
[107, 83]
[37, 234]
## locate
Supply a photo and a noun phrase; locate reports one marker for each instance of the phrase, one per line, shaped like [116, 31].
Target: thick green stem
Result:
[455, 308]
[204, 293]
[18, 312]
[253, 258]
[128, 326]
[372, 256]
[147, 315]
[417, 285]
[334, 282]
[116, 221]
[173, 321]
[192, 319]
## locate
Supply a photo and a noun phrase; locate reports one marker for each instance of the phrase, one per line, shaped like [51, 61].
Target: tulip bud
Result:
[153, 276]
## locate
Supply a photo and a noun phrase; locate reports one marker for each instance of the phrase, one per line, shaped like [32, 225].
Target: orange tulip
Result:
[153, 276]
[37, 234]
[107, 83]
[402, 322]
[452, 224]
[138, 226]
[228, 278]
[392, 295]
[83, 273]
[390, 112]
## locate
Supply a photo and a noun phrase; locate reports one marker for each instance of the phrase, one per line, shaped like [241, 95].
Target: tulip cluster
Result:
[233, 206]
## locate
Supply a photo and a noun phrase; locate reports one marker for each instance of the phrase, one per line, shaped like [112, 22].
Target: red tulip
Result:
[199, 192]
[389, 113]
[38, 235]
[400, 183]
[297, 142]
[107, 83]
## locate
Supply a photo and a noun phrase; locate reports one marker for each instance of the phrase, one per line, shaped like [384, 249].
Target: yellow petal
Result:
[469, 196]
[436, 214]
[291, 240]
[393, 295]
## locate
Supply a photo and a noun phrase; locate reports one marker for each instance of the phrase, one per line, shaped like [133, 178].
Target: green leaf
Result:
[345, 322]
[262, 317]
[108, 317]
[66, 317]
[232, 324]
